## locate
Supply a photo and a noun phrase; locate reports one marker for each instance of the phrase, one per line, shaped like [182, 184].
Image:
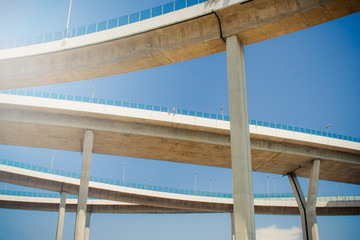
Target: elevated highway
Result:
[191, 32]
[326, 206]
[59, 124]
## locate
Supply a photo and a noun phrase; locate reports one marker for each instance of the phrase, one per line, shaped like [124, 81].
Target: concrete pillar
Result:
[307, 208]
[300, 199]
[60, 226]
[311, 201]
[87, 226]
[232, 226]
[244, 227]
[84, 184]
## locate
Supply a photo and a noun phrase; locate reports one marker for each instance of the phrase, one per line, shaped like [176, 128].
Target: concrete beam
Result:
[60, 226]
[311, 201]
[244, 226]
[84, 185]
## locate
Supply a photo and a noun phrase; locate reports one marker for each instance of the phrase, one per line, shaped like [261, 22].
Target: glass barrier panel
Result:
[117, 183]
[191, 3]
[284, 127]
[169, 7]
[329, 135]
[148, 107]
[101, 101]
[145, 14]
[112, 23]
[133, 105]
[178, 111]
[334, 135]
[123, 20]
[38, 39]
[62, 96]
[68, 174]
[199, 114]
[69, 97]
[19, 42]
[219, 117]
[156, 11]
[192, 113]
[296, 129]
[54, 95]
[91, 28]
[48, 37]
[58, 35]
[22, 165]
[356, 139]
[16, 164]
[179, 4]
[278, 126]
[2, 44]
[184, 112]
[21, 92]
[29, 41]
[141, 106]
[112, 182]
[101, 26]
[259, 123]
[134, 17]
[157, 108]
[213, 116]
[110, 102]
[125, 104]
[107, 180]
[302, 130]
[77, 98]
[10, 43]
[86, 99]
[227, 118]
[313, 132]
[81, 31]
[252, 122]
[164, 109]
[201, 1]
[74, 32]
[340, 136]
[117, 103]
[29, 93]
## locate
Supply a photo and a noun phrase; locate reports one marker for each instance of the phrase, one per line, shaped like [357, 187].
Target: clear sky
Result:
[308, 79]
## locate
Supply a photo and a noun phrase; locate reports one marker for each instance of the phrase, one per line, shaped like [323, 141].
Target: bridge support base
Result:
[87, 226]
[60, 226]
[307, 208]
[84, 184]
[243, 211]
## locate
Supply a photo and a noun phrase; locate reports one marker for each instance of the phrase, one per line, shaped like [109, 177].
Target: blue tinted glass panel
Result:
[95, 100]
[278, 126]
[296, 129]
[29, 93]
[265, 124]
[227, 118]
[219, 117]
[191, 2]
[141, 106]
[199, 114]
[334, 135]
[123, 20]
[112, 23]
[107, 180]
[283, 127]
[109, 102]
[201, 1]
[46, 95]
[13, 91]
[169, 7]
[350, 138]
[307, 131]
[340, 137]
[179, 4]
[157, 108]
[252, 122]
[102, 101]
[77, 98]
[259, 123]
[91, 28]
[134, 17]
[329, 135]
[19, 42]
[48, 37]
[117, 103]
[74, 32]
[29, 41]
[156, 11]
[318, 133]
[2, 44]
[145, 14]
[184, 112]
[345, 137]
[206, 115]
[133, 105]
[125, 104]
[11, 43]
[148, 107]
[356, 139]
[21, 92]
[192, 113]
[213, 116]
[86, 99]
[101, 26]
[54, 96]
[272, 125]
[178, 111]
[313, 132]
[302, 130]
[38, 39]
[81, 31]
[58, 35]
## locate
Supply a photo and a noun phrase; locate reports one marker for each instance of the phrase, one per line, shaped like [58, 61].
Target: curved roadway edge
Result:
[59, 124]
[279, 207]
[179, 36]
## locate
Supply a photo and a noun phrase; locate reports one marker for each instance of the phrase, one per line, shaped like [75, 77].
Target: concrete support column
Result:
[243, 212]
[307, 208]
[84, 184]
[311, 201]
[60, 226]
[300, 199]
[232, 226]
[87, 226]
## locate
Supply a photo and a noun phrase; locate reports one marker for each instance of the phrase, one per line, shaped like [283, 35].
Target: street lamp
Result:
[327, 129]
[68, 20]
[124, 164]
[274, 187]
[195, 181]
[92, 95]
[52, 160]
[144, 183]
[210, 184]
[222, 112]
[267, 181]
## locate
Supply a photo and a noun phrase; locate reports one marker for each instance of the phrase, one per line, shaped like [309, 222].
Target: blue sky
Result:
[309, 79]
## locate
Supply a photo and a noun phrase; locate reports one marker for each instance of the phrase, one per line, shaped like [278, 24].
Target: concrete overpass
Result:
[185, 34]
[326, 206]
[59, 124]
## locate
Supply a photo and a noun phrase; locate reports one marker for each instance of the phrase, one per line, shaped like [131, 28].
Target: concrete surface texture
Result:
[179, 36]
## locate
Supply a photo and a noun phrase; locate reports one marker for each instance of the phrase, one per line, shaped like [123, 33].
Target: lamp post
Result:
[124, 164]
[210, 184]
[144, 183]
[267, 181]
[52, 160]
[222, 111]
[92, 95]
[195, 181]
[68, 20]
[274, 187]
